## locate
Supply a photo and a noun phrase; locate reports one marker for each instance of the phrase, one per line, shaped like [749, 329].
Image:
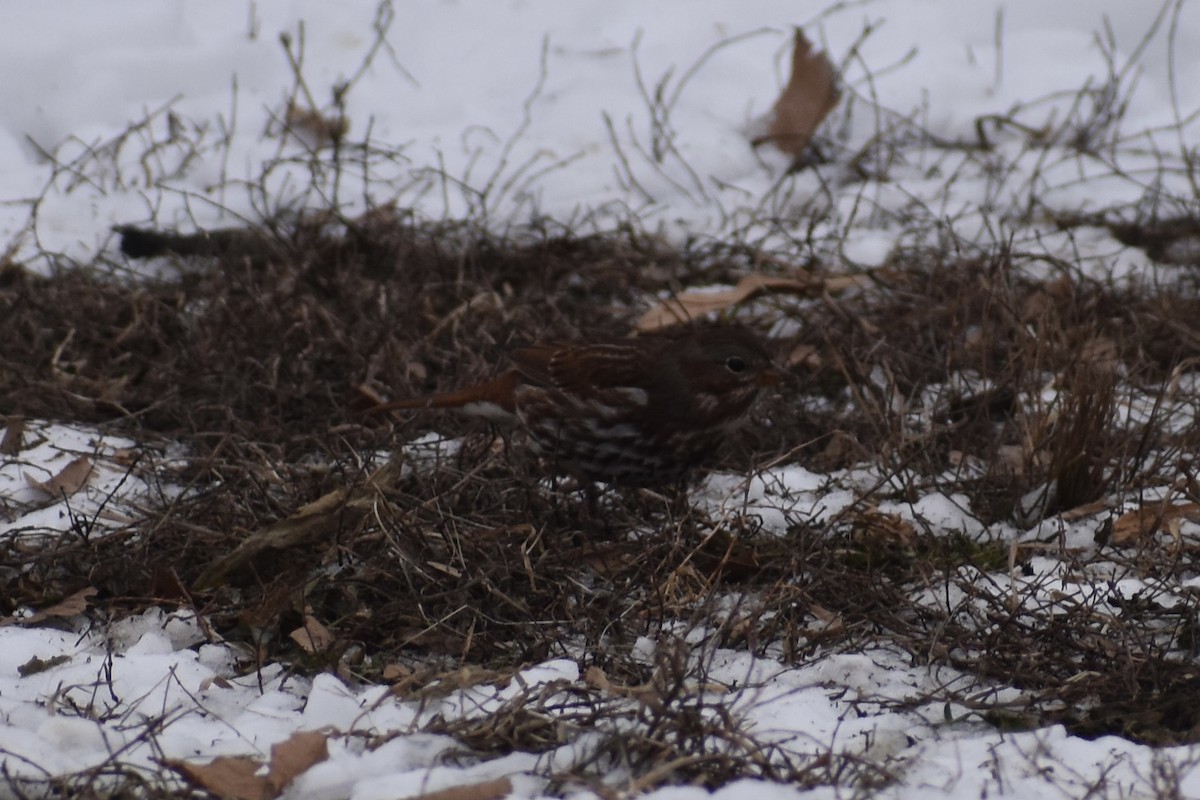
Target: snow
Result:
[142, 110]
[547, 118]
[30, 510]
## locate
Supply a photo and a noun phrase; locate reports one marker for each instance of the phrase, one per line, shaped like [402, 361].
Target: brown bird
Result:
[633, 412]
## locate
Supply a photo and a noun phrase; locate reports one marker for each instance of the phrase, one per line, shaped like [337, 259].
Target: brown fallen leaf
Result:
[310, 525]
[68, 607]
[69, 480]
[829, 622]
[367, 397]
[608, 561]
[811, 93]
[313, 637]
[305, 528]
[1141, 522]
[805, 354]
[485, 790]
[840, 283]
[393, 673]
[646, 694]
[238, 777]
[1087, 509]
[14, 434]
[696, 303]
[874, 527]
[315, 127]
[35, 665]
[233, 777]
[290, 758]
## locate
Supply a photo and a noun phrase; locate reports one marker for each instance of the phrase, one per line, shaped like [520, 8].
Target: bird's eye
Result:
[735, 364]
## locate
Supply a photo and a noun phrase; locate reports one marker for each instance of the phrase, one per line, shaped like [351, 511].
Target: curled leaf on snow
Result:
[646, 694]
[811, 93]
[1133, 526]
[69, 480]
[875, 527]
[35, 665]
[238, 776]
[234, 777]
[71, 606]
[292, 757]
[484, 790]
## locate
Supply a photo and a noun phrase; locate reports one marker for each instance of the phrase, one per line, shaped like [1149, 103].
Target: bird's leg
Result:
[592, 499]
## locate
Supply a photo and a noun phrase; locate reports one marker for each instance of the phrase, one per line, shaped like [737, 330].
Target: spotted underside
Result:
[605, 437]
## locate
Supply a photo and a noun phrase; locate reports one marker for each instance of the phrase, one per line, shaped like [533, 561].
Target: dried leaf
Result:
[126, 456]
[69, 480]
[811, 93]
[367, 396]
[1012, 458]
[805, 354]
[293, 757]
[238, 777]
[694, 303]
[314, 127]
[69, 607]
[35, 665]
[14, 434]
[308, 525]
[608, 561]
[1087, 509]
[1141, 522]
[830, 622]
[226, 776]
[840, 283]
[393, 673]
[875, 527]
[313, 637]
[843, 449]
[598, 679]
[1100, 352]
[486, 790]
[445, 569]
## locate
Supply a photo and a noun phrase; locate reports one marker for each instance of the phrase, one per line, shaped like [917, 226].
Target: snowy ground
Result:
[133, 112]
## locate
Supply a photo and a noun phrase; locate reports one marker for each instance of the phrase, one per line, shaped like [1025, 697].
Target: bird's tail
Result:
[495, 399]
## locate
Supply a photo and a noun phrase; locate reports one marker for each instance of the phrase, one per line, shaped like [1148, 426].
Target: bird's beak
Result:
[770, 376]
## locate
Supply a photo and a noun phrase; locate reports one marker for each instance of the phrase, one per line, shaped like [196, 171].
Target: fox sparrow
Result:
[635, 412]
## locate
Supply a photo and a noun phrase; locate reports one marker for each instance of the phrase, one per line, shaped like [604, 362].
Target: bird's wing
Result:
[586, 367]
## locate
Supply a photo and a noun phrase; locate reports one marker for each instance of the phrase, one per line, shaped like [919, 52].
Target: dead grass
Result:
[258, 355]
[261, 352]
